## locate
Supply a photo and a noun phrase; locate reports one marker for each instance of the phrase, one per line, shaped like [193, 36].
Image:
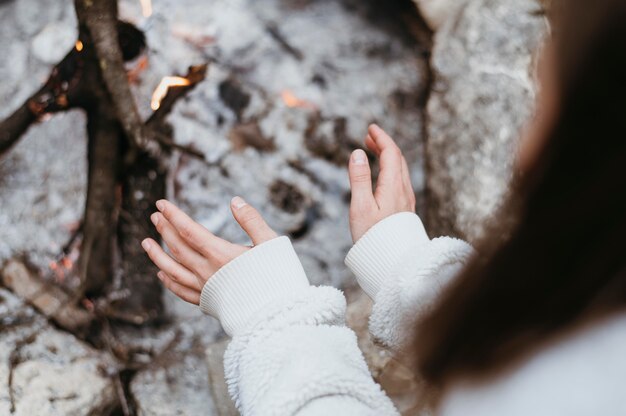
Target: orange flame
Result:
[146, 8]
[79, 45]
[292, 101]
[67, 263]
[161, 90]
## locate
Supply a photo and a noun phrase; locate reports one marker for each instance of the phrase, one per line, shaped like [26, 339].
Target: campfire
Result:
[161, 90]
[283, 108]
[118, 142]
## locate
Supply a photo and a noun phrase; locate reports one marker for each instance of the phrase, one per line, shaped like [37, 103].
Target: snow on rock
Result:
[42, 189]
[483, 93]
[44, 371]
[177, 381]
[26, 62]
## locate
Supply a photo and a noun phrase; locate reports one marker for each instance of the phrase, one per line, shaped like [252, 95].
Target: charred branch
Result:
[51, 300]
[14, 126]
[98, 18]
[143, 184]
[95, 262]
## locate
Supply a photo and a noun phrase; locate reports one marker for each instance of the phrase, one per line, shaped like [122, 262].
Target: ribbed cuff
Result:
[374, 255]
[245, 285]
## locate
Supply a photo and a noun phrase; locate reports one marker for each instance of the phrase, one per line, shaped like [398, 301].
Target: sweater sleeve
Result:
[403, 271]
[291, 353]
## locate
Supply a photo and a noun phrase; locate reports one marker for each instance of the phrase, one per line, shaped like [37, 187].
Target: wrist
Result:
[254, 280]
[382, 247]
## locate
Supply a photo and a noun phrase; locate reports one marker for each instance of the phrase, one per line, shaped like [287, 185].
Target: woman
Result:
[534, 324]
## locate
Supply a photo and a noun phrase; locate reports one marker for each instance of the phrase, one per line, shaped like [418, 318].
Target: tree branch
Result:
[99, 17]
[12, 128]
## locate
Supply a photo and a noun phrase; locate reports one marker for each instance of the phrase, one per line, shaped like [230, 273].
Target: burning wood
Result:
[292, 101]
[161, 90]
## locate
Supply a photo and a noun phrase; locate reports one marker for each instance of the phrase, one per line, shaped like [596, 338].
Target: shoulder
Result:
[582, 373]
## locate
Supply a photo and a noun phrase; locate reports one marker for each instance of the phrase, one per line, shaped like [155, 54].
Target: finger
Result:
[360, 181]
[408, 187]
[251, 221]
[201, 239]
[371, 145]
[390, 176]
[180, 249]
[183, 292]
[177, 271]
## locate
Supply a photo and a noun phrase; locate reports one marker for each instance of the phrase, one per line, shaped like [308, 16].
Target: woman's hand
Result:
[394, 192]
[196, 253]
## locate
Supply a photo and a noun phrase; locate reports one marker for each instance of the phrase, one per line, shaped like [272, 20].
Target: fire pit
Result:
[260, 99]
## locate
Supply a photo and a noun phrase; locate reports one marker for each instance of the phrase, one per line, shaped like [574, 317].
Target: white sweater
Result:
[291, 353]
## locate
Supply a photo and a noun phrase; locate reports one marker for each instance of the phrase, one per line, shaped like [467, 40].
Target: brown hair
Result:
[564, 258]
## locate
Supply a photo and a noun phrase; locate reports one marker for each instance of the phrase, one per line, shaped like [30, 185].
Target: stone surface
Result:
[44, 371]
[482, 94]
[224, 405]
[409, 394]
[175, 381]
[175, 384]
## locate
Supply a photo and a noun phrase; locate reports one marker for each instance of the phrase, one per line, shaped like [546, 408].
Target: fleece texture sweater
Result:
[291, 353]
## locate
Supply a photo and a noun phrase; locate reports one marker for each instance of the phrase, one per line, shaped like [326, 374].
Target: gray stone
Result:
[177, 381]
[224, 405]
[410, 394]
[44, 371]
[483, 93]
[175, 384]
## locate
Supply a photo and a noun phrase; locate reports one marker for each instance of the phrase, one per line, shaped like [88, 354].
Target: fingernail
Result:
[145, 244]
[155, 219]
[160, 275]
[238, 202]
[160, 205]
[359, 157]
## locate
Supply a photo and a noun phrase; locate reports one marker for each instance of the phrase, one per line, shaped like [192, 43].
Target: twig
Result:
[14, 126]
[276, 34]
[166, 142]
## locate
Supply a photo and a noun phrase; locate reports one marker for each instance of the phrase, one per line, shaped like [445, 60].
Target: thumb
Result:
[251, 221]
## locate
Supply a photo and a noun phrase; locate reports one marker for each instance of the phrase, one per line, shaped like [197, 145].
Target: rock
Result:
[44, 371]
[409, 394]
[176, 383]
[215, 360]
[483, 93]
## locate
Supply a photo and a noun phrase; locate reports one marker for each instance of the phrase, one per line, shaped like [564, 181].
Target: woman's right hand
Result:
[394, 192]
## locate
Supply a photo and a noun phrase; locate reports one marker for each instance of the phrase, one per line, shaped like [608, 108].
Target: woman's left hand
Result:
[196, 253]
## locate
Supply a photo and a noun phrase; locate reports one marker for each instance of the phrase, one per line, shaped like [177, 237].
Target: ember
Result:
[161, 90]
[292, 101]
